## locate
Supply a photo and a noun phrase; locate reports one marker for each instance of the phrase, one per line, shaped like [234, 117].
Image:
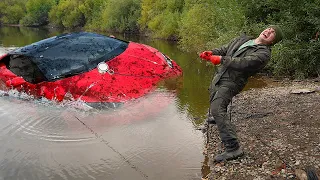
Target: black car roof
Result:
[70, 54]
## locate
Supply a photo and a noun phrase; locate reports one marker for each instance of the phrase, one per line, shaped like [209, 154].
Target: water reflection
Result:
[20, 36]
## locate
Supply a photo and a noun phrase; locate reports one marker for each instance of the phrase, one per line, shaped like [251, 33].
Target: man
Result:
[238, 60]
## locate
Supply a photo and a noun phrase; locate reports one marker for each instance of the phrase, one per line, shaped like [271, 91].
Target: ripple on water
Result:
[39, 120]
[40, 141]
[47, 139]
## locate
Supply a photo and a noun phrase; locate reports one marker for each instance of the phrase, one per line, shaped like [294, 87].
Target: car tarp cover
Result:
[70, 54]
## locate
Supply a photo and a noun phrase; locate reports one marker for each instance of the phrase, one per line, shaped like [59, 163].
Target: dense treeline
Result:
[196, 24]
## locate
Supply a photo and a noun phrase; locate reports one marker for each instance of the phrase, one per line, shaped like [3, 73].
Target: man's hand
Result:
[206, 55]
[215, 59]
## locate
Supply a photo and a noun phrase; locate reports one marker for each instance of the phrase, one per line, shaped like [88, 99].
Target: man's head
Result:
[270, 35]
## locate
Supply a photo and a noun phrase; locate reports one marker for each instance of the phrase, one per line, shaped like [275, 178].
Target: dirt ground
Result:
[279, 129]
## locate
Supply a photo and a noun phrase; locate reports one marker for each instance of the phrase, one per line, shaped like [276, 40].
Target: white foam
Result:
[77, 105]
[4, 50]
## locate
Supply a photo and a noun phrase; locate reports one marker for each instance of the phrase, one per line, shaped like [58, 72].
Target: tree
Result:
[12, 11]
[67, 14]
[92, 10]
[210, 23]
[161, 17]
[37, 12]
[121, 15]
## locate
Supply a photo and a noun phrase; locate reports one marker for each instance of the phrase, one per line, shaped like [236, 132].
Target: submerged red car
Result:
[85, 66]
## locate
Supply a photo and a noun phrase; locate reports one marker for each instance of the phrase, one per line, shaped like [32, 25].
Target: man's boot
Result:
[229, 155]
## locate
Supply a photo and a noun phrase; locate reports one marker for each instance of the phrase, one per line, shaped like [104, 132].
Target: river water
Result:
[153, 137]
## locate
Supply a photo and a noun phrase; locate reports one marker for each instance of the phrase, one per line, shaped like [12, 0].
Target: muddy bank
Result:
[279, 130]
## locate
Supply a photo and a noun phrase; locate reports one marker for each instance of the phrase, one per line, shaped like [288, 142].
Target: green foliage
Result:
[297, 60]
[165, 25]
[146, 13]
[37, 12]
[121, 15]
[207, 25]
[67, 14]
[161, 17]
[12, 11]
[92, 10]
[196, 27]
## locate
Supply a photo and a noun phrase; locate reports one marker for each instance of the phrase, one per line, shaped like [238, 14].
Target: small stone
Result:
[301, 174]
[302, 91]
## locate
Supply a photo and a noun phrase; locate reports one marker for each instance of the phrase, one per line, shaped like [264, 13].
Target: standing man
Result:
[238, 60]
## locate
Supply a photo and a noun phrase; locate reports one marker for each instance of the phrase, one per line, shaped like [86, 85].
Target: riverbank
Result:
[278, 127]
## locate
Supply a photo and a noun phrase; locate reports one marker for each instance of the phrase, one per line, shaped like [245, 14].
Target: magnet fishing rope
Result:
[275, 152]
[114, 150]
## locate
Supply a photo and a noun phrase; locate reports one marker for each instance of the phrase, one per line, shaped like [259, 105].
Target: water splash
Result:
[69, 103]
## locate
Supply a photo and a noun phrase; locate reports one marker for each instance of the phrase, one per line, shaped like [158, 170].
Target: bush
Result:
[209, 24]
[161, 18]
[67, 14]
[196, 28]
[12, 11]
[297, 60]
[92, 10]
[37, 12]
[121, 15]
[165, 25]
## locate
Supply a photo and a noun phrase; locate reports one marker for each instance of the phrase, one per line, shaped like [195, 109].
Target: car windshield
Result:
[71, 54]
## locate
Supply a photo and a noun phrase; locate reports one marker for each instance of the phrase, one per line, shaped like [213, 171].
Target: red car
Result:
[85, 66]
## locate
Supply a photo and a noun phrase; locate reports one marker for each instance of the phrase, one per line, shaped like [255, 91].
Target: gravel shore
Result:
[279, 130]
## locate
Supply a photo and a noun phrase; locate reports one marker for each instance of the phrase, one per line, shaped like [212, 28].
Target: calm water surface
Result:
[153, 137]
